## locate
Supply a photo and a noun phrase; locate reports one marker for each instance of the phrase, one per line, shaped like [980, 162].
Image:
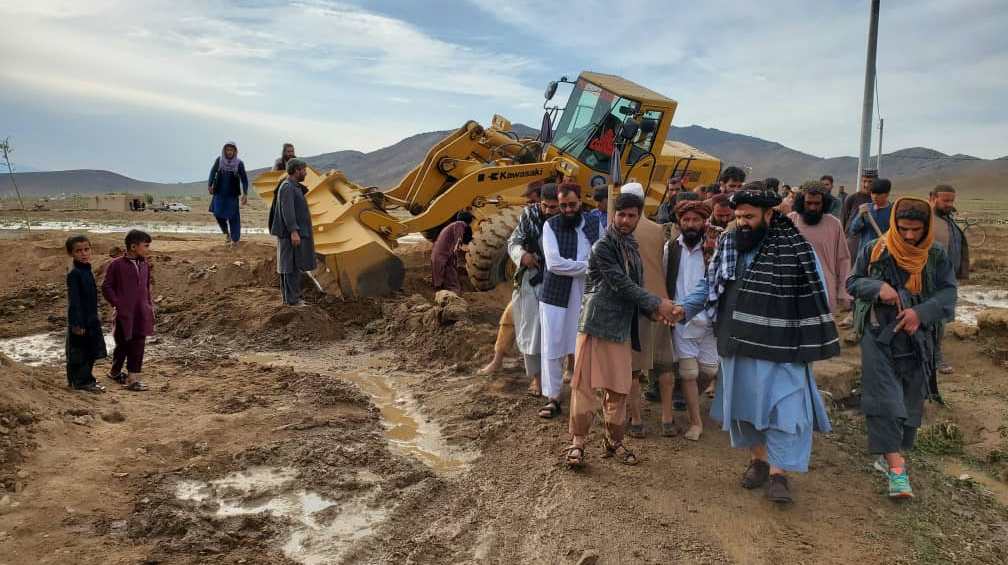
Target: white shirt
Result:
[691, 270]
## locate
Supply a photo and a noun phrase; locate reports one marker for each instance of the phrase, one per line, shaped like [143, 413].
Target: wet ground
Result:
[359, 432]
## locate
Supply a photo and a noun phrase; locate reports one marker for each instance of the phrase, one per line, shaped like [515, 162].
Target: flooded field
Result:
[973, 299]
[41, 349]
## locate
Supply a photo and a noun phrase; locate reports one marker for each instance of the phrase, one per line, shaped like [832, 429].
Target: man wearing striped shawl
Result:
[764, 290]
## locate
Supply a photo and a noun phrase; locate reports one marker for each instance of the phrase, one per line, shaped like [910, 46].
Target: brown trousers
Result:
[505, 332]
[584, 403]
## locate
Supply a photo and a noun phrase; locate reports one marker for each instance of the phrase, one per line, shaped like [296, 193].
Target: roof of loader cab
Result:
[628, 89]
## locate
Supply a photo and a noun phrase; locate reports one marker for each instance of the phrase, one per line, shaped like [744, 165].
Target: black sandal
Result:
[136, 386]
[620, 451]
[120, 378]
[551, 410]
[574, 457]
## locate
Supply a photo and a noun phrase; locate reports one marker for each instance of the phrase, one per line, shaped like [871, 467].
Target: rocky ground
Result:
[359, 432]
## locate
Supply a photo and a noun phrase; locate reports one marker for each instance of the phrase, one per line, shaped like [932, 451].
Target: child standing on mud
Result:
[127, 288]
[85, 342]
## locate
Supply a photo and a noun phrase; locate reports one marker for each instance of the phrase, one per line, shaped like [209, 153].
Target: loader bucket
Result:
[356, 260]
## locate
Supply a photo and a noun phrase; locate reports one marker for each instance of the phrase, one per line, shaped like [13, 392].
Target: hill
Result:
[89, 181]
[915, 169]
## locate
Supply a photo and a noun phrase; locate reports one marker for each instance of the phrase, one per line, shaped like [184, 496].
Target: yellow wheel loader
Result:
[484, 171]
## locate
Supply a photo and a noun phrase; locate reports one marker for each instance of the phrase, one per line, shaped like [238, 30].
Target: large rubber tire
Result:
[487, 261]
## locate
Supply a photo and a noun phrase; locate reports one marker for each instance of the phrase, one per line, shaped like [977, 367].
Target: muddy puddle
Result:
[407, 429]
[41, 349]
[320, 530]
[973, 299]
[995, 488]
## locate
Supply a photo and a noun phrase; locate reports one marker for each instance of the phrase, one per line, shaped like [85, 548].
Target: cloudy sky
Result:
[153, 89]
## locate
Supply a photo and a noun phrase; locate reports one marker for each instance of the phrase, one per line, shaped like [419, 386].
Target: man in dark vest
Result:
[566, 243]
[768, 335]
[904, 287]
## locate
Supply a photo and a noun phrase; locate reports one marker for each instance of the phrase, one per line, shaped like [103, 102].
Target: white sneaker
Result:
[881, 465]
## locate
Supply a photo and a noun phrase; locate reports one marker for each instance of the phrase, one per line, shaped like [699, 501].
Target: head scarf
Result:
[698, 207]
[910, 258]
[229, 165]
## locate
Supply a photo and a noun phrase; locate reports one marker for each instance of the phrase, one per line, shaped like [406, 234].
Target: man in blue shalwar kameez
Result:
[764, 288]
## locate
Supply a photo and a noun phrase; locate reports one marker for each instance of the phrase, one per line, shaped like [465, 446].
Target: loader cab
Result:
[591, 124]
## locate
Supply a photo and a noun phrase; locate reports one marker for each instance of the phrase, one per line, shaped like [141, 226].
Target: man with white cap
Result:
[655, 355]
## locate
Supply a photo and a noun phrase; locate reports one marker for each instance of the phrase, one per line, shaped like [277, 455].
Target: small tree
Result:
[7, 149]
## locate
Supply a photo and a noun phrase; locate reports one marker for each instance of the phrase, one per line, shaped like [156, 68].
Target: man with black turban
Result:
[764, 291]
[903, 286]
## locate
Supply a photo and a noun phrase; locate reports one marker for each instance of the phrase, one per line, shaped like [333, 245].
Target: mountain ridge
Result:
[911, 168]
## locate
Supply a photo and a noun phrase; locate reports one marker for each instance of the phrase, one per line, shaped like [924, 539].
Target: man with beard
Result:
[607, 333]
[722, 212]
[506, 325]
[525, 249]
[952, 238]
[826, 235]
[685, 261]
[854, 202]
[769, 332]
[836, 207]
[666, 213]
[903, 286]
[567, 240]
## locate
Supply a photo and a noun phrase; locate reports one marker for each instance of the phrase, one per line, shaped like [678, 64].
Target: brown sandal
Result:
[620, 451]
[574, 457]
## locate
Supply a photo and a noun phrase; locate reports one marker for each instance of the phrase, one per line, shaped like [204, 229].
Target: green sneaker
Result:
[899, 485]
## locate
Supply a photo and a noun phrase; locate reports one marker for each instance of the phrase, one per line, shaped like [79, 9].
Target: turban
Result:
[634, 188]
[755, 194]
[695, 206]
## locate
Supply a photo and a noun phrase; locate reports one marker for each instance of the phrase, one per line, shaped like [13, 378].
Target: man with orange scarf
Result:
[903, 286]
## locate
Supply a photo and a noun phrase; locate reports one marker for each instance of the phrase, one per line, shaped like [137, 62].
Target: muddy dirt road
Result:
[359, 432]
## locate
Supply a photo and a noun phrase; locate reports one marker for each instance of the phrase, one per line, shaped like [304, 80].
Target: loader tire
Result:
[487, 261]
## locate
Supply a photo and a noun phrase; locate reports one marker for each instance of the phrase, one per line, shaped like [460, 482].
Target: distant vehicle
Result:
[174, 207]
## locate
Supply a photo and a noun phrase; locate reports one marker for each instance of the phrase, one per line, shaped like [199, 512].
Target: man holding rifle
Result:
[903, 286]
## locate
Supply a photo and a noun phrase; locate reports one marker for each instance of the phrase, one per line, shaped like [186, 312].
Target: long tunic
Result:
[292, 214]
[650, 238]
[768, 395]
[883, 393]
[444, 257]
[127, 288]
[560, 324]
[827, 238]
[524, 299]
[82, 312]
[227, 187]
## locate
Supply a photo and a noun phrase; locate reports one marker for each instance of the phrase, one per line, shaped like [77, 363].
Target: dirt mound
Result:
[27, 398]
[441, 332]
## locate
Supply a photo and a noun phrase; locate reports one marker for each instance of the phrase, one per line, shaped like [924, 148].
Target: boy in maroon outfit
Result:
[127, 288]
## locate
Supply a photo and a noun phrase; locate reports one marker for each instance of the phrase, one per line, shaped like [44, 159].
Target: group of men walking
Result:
[741, 289]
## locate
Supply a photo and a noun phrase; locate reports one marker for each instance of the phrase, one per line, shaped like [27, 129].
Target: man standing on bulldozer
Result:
[567, 241]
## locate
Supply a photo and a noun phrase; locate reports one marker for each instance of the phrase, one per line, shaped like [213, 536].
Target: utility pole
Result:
[869, 92]
[878, 157]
